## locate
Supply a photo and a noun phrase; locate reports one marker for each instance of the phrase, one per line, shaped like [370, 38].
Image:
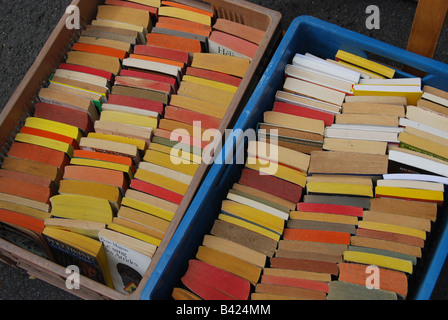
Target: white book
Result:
[257, 205]
[326, 67]
[436, 99]
[427, 117]
[307, 102]
[361, 135]
[303, 73]
[416, 177]
[126, 259]
[153, 66]
[142, 112]
[423, 127]
[411, 184]
[315, 91]
[419, 160]
[367, 127]
[397, 81]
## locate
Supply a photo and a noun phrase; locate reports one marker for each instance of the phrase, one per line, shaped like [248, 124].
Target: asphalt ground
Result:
[25, 26]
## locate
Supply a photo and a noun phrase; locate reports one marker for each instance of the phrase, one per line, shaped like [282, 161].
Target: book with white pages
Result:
[427, 117]
[361, 134]
[307, 102]
[84, 77]
[405, 122]
[115, 107]
[367, 127]
[411, 184]
[434, 98]
[303, 73]
[326, 67]
[395, 81]
[416, 177]
[153, 66]
[418, 160]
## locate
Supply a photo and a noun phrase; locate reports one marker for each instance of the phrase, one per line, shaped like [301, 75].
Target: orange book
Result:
[188, 116]
[22, 220]
[179, 27]
[25, 190]
[50, 135]
[99, 175]
[30, 178]
[104, 157]
[234, 43]
[293, 282]
[317, 236]
[160, 60]
[239, 30]
[183, 6]
[174, 42]
[39, 154]
[305, 265]
[111, 52]
[143, 84]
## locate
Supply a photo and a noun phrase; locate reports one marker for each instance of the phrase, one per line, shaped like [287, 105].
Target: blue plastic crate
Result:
[306, 34]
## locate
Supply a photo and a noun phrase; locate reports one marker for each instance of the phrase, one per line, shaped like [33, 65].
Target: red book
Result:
[303, 112]
[96, 72]
[153, 11]
[305, 265]
[205, 275]
[70, 116]
[317, 236]
[293, 282]
[39, 154]
[188, 116]
[150, 76]
[160, 52]
[234, 43]
[50, 135]
[90, 48]
[330, 208]
[25, 189]
[143, 84]
[30, 178]
[156, 191]
[22, 220]
[138, 103]
[215, 76]
[270, 184]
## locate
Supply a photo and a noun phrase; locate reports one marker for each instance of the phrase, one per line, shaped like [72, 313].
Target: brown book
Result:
[373, 108]
[390, 236]
[125, 15]
[405, 207]
[140, 93]
[348, 163]
[240, 30]
[301, 293]
[386, 245]
[308, 256]
[33, 167]
[398, 219]
[93, 60]
[308, 246]
[305, 265]
[244, 237]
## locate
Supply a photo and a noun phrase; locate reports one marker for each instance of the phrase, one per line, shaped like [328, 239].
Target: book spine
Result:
[412, 148]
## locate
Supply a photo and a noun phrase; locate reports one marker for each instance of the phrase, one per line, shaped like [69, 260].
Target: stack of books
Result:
[248, 228]
[106, 159]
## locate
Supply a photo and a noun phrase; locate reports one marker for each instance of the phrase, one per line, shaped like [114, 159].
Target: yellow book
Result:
[141, 145]
[197, 105]
[379, 260]
[235, 66]
[166, 172]
[431, 146]
[408, 193]
[185, 15]
[277, 170]
[323, 217]
[138, 227]
[20, 208]
[164, 160]
[211, 83]
[124, 46]
[144, 219]
[181, 154]
[250, 226]
[206, 93]
[123, 14]
[365, 63]
[295, 122]
[95, 266]
[92, 189]
[412, 93]
[113, 147]
[54, 126]
[78, 207]
[45, 142]
[103, 164]
[151, 3]
[25, 202]
[258, 217]
[129, 118]
[392, 228]
[340, 188]
[149, 204]
[161, 181]
[86, 228]
[134, 234]
[94, 60]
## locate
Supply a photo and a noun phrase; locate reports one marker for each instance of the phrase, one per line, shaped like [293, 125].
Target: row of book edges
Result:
[350, 209]
[90, 179]
[247, 229]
